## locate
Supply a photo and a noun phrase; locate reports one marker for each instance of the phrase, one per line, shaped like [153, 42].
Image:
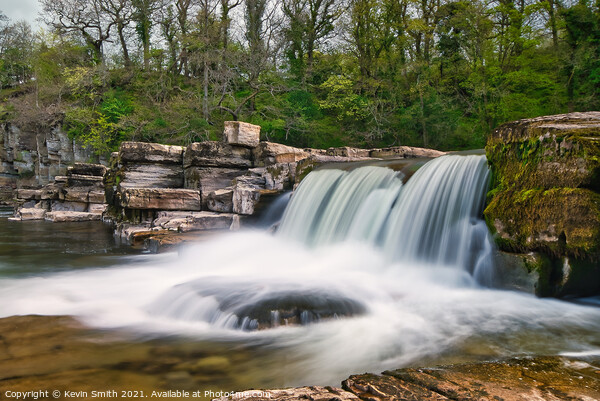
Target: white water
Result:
[416, 311]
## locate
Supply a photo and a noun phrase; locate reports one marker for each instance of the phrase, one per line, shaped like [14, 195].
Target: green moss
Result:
[304, 167]
[559, 221]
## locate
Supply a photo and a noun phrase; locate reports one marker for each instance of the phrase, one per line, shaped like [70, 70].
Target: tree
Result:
[143, 15]
[84, 17]
[308, 22]
[120, 13]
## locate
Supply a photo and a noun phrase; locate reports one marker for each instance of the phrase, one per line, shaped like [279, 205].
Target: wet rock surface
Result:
[541, 378]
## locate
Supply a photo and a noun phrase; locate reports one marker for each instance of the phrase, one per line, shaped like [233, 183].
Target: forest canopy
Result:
[316, 73]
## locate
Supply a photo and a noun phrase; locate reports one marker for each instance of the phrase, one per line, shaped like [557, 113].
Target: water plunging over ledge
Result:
[434, 218]
[366, 273]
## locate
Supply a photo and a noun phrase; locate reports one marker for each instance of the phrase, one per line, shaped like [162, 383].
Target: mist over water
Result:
[420, 306]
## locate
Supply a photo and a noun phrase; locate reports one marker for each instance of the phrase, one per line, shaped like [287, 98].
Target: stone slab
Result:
[217, 154]
[241, 133]
[65, 216]
[160, 198]
[147, 175]
[150, 153]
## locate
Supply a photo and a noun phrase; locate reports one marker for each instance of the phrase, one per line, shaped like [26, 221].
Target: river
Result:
[224, 300]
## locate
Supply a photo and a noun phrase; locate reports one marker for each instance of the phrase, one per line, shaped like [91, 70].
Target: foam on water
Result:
[413, 312]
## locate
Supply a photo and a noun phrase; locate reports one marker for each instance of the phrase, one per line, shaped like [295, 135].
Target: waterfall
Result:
[434, 218]
[327, 201]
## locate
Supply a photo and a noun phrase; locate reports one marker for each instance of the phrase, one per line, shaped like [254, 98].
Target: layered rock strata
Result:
[30, 159]
[78, 196]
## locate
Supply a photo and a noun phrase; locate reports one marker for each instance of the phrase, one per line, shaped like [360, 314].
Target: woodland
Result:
[312, 73]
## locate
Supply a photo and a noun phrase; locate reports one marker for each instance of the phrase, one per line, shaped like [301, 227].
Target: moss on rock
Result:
[558, 221]
[545, 197]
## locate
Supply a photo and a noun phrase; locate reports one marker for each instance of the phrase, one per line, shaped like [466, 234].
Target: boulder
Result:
[241, 133]
[76, 194]
[545, 197]
[143, 152]
[209, 179]
[126, 231]
[97, 208]
[280, 176]
[96, 197]
[557, 221]
[51, 192]
[547, 152]
[217, 154]
[245, 197]
[29, 194]
[145, 175]
[160, 198]
[268, 153]
[66, 216]
[220, 200]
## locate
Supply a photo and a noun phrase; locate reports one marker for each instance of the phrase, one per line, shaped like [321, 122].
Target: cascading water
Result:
[369, 262]
[434, 218]
[327, 201]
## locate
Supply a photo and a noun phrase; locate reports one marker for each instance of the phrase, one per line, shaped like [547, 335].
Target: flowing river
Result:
[367, 272]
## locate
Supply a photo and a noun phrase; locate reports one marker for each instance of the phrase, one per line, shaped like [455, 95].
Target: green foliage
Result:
[100, 129]
[378, 73]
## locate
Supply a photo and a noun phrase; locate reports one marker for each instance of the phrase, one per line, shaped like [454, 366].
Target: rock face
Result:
[78, 196]
[225, 181]
[30, 159]
[545, 198]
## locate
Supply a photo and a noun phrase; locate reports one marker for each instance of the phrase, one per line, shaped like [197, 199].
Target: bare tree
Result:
[120, 12]
[84, 17]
